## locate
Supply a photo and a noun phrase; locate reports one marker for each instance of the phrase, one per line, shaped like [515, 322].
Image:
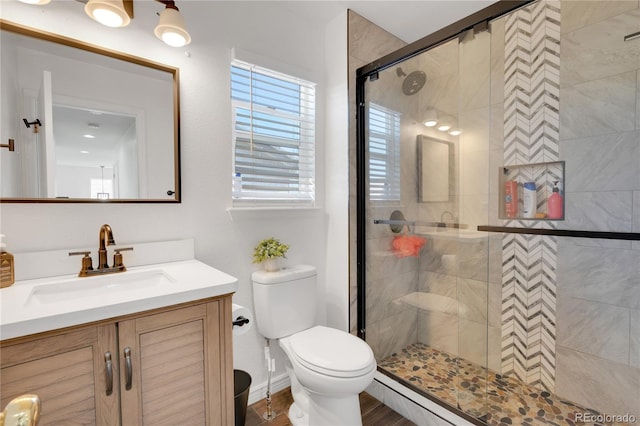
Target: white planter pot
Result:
[272, 265]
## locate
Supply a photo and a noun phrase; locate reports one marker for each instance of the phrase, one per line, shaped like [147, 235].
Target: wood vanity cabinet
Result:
[168, 366]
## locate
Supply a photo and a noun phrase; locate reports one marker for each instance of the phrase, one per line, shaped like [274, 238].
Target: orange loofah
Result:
[407, 245]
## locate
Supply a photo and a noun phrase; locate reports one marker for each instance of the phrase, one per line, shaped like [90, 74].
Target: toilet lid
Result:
[332, 352]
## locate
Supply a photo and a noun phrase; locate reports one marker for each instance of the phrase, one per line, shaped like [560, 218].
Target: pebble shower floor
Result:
[494, 399]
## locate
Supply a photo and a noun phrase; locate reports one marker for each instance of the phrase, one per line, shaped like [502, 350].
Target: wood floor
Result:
[374, 413]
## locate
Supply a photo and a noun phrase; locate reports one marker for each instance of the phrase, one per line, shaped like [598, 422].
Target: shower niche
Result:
[544, 177]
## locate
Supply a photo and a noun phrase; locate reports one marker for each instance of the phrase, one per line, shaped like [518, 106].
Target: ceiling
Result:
[407, 20]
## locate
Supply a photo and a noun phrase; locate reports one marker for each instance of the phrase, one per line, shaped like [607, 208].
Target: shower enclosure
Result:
[470, 290]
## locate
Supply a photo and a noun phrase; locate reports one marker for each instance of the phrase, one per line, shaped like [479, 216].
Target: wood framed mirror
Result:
[88, 124]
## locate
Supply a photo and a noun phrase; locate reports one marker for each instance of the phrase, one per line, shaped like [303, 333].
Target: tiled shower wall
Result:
[598, 295]
[595, 325]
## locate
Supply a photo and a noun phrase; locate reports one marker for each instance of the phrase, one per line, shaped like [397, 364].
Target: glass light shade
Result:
[108, 12]
[36, 2]
[444, 127]
[455, 132]
[171, 28]
[430, 123]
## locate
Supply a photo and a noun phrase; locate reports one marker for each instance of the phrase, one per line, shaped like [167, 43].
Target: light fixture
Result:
[36, 2]
[444, 126]
[88, 136]
[118, 13]
[171, 28]
[112, 13]
[455, 132]
[430, 118]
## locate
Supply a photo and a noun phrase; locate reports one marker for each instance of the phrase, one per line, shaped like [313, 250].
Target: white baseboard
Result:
[259, 392]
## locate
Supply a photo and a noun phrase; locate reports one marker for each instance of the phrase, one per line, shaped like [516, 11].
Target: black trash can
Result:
[241, 385]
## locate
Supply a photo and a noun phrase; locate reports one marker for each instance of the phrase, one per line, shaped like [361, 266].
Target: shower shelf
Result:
[629, 236]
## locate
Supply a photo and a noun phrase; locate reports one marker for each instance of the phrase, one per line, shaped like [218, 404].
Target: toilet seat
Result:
[332, 352]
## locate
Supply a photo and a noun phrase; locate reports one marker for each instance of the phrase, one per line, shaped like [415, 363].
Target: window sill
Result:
[265, 212]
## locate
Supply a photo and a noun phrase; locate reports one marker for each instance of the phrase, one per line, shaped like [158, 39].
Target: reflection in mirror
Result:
[108, 122]
[435, 169]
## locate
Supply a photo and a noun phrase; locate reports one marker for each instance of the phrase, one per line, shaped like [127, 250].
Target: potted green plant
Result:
[269, 252]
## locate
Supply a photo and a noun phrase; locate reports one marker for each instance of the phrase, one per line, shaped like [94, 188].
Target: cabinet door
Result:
[180, 366]
[68, 372]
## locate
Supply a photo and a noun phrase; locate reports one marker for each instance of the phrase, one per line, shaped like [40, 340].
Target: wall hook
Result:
[35, 124]
[10, 145]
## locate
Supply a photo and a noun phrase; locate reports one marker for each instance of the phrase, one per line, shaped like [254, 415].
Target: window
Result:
[384, 154]
[274, 136]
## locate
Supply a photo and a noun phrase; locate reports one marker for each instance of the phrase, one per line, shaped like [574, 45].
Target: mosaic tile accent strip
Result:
[493, 398]
[531, 135]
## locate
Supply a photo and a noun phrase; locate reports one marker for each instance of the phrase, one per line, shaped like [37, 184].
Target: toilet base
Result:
[327, 412]
[314, 409]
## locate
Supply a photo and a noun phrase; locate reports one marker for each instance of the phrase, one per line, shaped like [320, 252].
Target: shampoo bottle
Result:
[530, 202]
[554, 204]
[6, 266]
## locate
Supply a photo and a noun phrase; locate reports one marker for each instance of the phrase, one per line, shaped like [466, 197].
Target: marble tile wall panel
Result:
[599, 274]
[594, 328]
[441, 284]
[473, 341]
[634, 333]
[596, 163]
[473, 300]
[439, 330]
[599, 107]
[366, 42]
[393, 333]
[497, 62]
[475, 72]
[580, 13]
[598, 50]
[382, 295]
[598, 211]
[603, 385]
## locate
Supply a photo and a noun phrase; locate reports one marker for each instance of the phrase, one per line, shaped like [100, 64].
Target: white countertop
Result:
[43, 304]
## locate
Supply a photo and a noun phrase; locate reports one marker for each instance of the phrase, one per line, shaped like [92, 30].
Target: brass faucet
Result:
[105, 239]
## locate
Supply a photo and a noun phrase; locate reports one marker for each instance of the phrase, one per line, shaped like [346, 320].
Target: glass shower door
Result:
[427, 284]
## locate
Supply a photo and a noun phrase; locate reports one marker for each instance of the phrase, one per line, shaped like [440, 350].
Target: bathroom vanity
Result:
[121, 355]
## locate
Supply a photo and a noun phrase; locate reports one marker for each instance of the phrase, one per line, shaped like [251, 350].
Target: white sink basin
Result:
[100, 286]
[43, 304]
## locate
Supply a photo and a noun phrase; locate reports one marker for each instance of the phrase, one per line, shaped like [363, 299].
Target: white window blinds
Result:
[384, 153]
[274, 135]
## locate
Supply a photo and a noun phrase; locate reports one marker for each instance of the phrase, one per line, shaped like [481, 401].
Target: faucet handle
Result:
[87, 264]
[117, 257]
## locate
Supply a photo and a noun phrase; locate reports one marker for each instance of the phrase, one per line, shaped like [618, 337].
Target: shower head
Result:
[413, 82]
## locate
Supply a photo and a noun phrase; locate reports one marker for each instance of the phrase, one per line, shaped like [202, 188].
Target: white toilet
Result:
[328, 368]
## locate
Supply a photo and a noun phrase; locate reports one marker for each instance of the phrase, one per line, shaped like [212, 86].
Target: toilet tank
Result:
[284, 301]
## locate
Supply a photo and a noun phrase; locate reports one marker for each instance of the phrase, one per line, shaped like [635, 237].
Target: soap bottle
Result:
[554, 204]
[6, 266]
[511, 198]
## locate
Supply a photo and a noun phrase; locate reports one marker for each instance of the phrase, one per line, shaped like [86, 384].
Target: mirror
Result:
[435, 171]
[88, 124]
